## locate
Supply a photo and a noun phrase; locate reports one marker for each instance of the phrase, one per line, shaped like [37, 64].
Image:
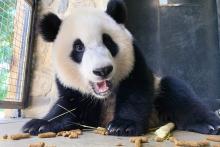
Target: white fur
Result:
[95, 57]
[89, 25]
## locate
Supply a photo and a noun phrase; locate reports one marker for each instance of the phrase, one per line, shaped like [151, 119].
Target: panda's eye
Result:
[78, 51]
[78, 46]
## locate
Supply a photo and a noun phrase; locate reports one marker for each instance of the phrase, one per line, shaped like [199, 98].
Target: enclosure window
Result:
[163, 2]
[15, 18]
[174, 3]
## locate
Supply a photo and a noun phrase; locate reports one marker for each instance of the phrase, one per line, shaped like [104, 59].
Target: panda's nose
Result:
[104, 71]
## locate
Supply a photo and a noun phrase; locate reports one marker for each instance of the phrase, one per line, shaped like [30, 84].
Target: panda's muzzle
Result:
[104, 71]
[102, 88]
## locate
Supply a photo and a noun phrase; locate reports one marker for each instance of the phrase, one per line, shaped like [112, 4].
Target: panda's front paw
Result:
[124, 127]
[36, 126]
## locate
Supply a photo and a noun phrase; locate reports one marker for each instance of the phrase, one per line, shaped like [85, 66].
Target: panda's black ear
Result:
[117, 10]
[49, 26]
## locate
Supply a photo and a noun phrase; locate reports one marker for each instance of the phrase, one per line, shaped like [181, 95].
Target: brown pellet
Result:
[73, 135]
[215, 138]
[66, 134]
[158, 139]
[192, 143]
[119, 144]
[5, 136]
[47, 135]
[138, 140]
[37, 144]
[20, 136]
[78, 131]
[216, 145]
[172, 139]
[102, 131]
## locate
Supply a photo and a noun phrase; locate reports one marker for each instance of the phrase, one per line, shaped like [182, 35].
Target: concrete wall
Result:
[189, 46]
[180, 41]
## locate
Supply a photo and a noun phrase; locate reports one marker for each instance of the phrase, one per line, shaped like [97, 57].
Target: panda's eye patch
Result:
[110, 44]
[78, 50]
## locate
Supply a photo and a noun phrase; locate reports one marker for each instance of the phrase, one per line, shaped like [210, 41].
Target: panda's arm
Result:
[71, 108]
[134, 101]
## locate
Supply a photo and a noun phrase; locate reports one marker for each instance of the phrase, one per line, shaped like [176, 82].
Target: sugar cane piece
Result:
[163, 131]
[139, 140]
[215, 138]
[47, 135]
[20, 136]
[38, 144]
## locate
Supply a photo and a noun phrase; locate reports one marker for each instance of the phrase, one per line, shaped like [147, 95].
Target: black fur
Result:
[78, 51]
[49, 27]
[87, 112]
[110, 44]
[117, 10]
[134, 100]
[178, 103]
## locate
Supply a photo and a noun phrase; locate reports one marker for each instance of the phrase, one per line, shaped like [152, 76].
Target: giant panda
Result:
[103, 80]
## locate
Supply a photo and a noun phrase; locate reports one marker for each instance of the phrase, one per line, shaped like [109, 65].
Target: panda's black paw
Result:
[36, 126]
[203, 128]
[124, 127]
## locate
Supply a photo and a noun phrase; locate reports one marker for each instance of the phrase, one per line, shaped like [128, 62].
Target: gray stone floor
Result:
[88, 139]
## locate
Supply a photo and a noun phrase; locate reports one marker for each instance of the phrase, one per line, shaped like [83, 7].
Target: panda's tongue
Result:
[102, 86]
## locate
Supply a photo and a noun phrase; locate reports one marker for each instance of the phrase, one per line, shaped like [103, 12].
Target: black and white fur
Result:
[102, 78]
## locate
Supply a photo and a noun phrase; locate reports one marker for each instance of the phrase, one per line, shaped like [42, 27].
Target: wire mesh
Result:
[15, 16]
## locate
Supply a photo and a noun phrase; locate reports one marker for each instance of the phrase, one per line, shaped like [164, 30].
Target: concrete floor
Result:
[88, 139]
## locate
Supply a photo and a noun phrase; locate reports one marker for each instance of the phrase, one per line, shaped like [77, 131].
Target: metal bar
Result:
[28, 66]
[10, 105]
[180, 5]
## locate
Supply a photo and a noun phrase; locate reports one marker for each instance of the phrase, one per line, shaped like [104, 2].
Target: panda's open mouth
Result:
[102, 88]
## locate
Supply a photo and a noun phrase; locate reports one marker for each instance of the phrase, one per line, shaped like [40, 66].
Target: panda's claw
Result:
[203, 128]
[123, 127]
[44, 129]
[34, 125]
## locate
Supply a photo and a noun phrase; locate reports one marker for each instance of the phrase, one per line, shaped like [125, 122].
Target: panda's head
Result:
[92, 50]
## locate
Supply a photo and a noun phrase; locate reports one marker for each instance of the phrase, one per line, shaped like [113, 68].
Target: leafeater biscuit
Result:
[192, 143]
[20, 136]
[139, 140]
[189, 143]
[102, 131]
[215, 138]
[38, 144]
[47, 135]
